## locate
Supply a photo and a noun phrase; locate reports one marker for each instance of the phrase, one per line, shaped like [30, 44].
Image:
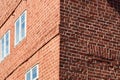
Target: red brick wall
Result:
[47, 59]
[6, 9]
[90, 40]
[41, 44]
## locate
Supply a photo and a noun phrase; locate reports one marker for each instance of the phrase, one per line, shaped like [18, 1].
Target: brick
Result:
[94, 27]
[40, 46]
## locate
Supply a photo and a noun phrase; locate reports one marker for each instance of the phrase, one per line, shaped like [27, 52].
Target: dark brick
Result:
[90, 37]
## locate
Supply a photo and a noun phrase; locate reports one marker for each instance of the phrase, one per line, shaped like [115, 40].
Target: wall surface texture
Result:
[40, 46]
[68, 39]
[90, 40]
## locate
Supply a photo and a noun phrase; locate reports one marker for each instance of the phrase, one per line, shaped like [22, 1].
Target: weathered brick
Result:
[92, 27]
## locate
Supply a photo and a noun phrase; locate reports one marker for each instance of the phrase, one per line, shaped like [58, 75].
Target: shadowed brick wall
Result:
[90, 40]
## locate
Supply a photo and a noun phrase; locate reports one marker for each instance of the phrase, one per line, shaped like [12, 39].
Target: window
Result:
[20, 28]
[32, 74]
[5, 45]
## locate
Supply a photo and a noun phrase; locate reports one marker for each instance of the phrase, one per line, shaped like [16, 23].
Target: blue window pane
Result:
[23, 30]
[34, 72]
[17, 23]
[17, 31]
[7, 43]
[3, 47]
[23, 17]
[28, 76]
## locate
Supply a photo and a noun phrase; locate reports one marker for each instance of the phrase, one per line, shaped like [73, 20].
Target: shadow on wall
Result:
[115, 4]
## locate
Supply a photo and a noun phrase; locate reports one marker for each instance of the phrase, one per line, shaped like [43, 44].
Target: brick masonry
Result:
[41, 45]
[90, 40]
[68, 39]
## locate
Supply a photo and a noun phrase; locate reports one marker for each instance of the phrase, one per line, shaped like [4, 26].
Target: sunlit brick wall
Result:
[41, 44]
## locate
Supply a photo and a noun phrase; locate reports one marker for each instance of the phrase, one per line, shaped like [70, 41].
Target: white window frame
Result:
[30, 70]
[20, 27]
[4, 37]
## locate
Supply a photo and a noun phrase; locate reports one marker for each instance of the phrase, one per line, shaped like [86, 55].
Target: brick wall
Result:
[7, 9]
[47, 59]
[90, 40]
[39, 46]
